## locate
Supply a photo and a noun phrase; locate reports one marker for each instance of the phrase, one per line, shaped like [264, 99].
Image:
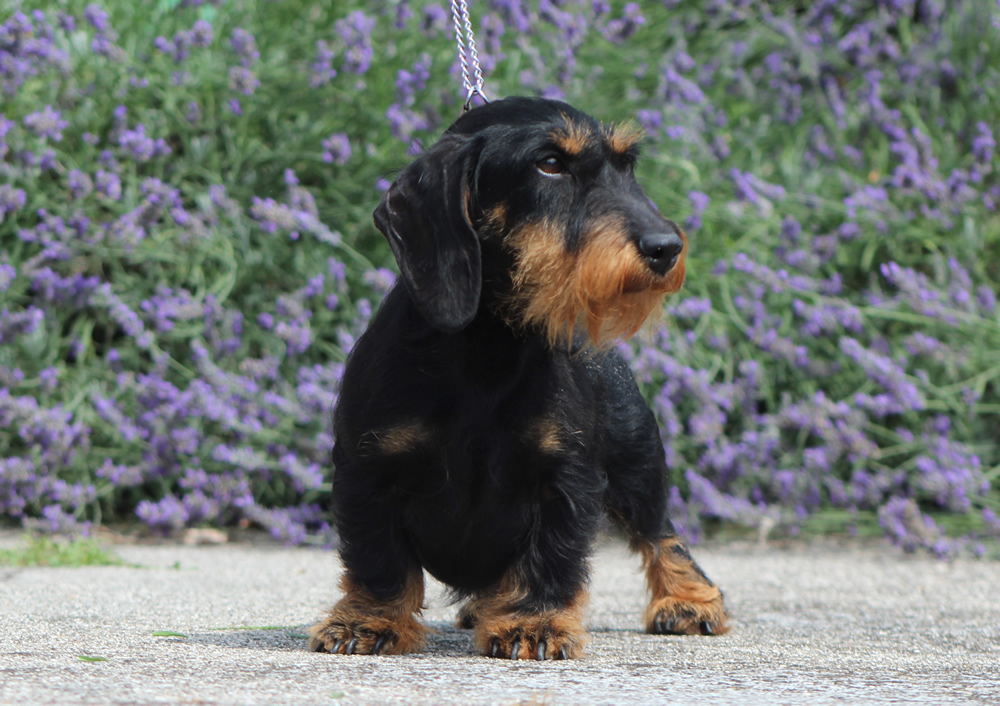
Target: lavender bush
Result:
[187, 252]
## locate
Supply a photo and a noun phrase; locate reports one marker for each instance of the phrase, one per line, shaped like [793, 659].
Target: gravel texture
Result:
[812, 623]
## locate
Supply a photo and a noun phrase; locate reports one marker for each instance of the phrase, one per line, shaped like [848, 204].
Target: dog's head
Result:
[539, 201]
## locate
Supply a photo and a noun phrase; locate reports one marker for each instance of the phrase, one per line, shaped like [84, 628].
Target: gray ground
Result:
[814, 624]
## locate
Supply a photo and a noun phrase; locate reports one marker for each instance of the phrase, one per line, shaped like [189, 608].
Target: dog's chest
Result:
[472, 501]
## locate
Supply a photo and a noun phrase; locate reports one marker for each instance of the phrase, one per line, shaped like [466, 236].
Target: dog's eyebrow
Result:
[624, 138]
[573, 137]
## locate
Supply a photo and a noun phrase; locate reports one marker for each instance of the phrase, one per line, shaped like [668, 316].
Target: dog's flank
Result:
[473, 439]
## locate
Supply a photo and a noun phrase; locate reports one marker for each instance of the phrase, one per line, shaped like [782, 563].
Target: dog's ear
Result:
[425, 217]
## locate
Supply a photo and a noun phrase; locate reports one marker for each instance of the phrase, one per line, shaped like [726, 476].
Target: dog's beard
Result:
[604, 289]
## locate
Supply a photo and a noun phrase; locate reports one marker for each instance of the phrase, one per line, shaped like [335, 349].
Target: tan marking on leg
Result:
[499, 628]
[361, 617]
[684, 600]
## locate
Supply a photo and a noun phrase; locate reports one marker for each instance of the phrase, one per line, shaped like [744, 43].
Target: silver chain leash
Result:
[463, 34]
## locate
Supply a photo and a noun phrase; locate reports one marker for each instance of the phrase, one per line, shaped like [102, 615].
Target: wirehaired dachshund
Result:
[485, 423]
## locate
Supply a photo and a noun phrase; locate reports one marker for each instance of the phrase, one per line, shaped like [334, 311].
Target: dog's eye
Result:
[550, 166]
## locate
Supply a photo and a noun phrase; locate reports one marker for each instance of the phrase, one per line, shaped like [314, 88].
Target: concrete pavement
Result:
[817, 623]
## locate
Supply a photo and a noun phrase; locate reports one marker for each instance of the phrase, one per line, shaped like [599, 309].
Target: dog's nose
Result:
[660, 250]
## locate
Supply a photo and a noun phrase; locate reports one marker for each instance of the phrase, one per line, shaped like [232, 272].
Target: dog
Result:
[485, 424]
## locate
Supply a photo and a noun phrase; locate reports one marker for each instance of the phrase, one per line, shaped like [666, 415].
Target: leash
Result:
[463, 34]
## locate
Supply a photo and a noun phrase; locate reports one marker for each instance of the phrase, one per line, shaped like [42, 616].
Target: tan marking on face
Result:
[573, 138]
[547, 435]
[622, 136]
[606, 288]
[401, 439]
[497, 216]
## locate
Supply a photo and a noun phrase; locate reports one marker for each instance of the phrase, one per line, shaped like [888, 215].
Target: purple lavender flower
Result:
[7, 275]
[404, 122]
[620, 30]
[103, 41]
[46, 123]
[19, 323]
[243, 80]
[699, 202]
[97, 17]
[141, 146]
[651, 120]
[907, 527]
[829, 317]
[272, 215]
[108, 184]
[166, 515]
[435, 21]
[337, 149]
[245, 46]
[103, 297]
[66, 22]
[516, 14]
[11, 199]
[355, 31]
[381, 279]
[5, 127]
[679, 89]
[322, 66]
[299, 214]
[901, 395]
[950, 473]
[80, 184]
[52, 288]
[750, 188]
[409, 83]
[201, 34]
[983, 144]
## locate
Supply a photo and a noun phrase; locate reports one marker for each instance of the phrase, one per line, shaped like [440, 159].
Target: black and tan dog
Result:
[484, 425]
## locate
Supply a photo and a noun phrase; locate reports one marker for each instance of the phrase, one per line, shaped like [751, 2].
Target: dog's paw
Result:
[368, 635]
[684, 600]
[549, 635]
[672, 616]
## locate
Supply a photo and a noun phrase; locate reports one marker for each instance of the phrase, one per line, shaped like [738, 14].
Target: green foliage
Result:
[172, 348]
[46, 551]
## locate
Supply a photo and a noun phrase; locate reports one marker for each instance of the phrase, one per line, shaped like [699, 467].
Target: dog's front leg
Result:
[360, 623]
[536, 610]
[508, 624]
[383, 584]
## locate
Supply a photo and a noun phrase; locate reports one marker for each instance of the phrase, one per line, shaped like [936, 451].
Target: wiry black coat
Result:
[480, 430]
